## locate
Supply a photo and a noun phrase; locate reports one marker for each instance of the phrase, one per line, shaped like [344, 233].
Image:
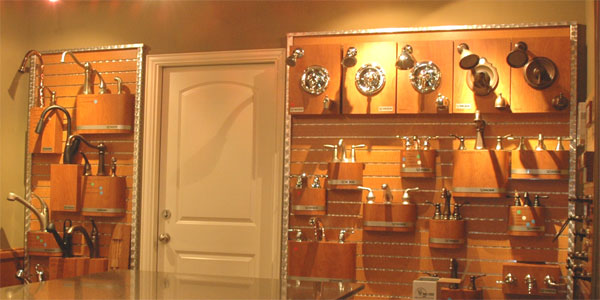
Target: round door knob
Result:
[164, 238]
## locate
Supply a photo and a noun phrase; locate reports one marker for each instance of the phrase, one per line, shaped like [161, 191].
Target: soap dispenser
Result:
[389, 215]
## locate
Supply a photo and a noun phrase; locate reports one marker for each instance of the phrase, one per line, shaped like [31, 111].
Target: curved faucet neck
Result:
[35, 211]
[69, 236]
[40, 125]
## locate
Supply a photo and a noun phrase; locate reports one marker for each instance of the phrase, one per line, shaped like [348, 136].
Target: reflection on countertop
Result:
[159, 285]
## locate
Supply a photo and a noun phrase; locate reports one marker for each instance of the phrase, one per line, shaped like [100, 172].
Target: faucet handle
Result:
[461, 139]
[530, 282]
[342, 236]
[508, 279]
[316, 184]
[540, 146]
[353, 151]
[40, 272]
[549, 281]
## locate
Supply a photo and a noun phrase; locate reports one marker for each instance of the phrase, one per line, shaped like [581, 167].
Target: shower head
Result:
[29, 54]
[349, 60]
[406, 60]
[468, 60]
[291, 60]
[518, 56]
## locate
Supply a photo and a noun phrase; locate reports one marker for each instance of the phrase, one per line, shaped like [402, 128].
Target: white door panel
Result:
[219, 163]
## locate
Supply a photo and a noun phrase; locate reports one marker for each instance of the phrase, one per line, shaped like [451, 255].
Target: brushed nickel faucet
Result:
[41, 215]
[479, 126]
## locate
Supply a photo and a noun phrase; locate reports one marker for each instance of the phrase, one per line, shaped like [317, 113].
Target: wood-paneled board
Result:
[66, 79]
[388, 262]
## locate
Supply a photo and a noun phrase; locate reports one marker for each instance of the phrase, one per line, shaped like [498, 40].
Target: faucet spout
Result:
[68, 240]
[87, 67]
[72, 146]
[28, 55]
[40, 125]
[38, 214]
[479, 126]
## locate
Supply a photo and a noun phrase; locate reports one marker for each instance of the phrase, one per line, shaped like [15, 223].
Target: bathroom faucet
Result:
[479, 126]
[319, 229]
[87, 67]
[68, 241]
[22, 276]
[102, 85]
[42, 216]
[72, 146]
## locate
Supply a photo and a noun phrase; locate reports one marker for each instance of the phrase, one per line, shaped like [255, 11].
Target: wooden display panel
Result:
[50, 140]
[66, 191]
[394, 217]
[66, 80]
[302, 102]
[546, 164]
[344, 175]
[526, 221]
[418, 163]
[314, 260]
[409, 100]
[384, 102]
[538, 272]
[104, 114]
[527, 99]
[387, 262]
[41, 243]
[104, 196]
[446, 234]
[480, 173]
[308, 201]
[494, 51]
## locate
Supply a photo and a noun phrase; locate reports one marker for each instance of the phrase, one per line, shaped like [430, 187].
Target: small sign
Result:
[463, 106]
[386, 109]
[297, 109]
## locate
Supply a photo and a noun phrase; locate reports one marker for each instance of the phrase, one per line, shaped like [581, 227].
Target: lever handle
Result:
[551, 283]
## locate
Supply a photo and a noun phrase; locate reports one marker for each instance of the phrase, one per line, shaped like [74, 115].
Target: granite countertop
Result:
[129, 284]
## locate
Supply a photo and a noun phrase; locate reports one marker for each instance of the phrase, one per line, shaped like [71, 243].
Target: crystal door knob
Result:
[164, 238]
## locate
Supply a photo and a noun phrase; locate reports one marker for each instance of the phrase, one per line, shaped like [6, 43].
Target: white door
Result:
[220, 169]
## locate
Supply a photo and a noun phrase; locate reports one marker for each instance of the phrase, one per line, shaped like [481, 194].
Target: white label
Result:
[386, 108]
[297, 109]
[463, 105]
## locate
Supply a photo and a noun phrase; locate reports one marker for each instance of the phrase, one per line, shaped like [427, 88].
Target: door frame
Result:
[155, 65]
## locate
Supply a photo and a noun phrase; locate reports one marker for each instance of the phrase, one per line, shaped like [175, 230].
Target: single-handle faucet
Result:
[41, 215]
[73, 145]
[40, 125]
[68, 240]
[52, 96]
[479, 126]
[530, 281]
[87, 67]
[319, 229]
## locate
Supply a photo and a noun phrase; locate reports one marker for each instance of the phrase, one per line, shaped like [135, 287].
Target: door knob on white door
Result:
[164, 238]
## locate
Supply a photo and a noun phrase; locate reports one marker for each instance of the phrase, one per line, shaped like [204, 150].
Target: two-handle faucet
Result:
[319, 229]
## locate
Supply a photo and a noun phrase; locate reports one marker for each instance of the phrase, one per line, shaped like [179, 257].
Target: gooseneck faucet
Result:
[102, 85]
[68, 241]
[40, 125]
[87, 67]
[319, 229]
[479, 126]
[42, 216]
[73, 145]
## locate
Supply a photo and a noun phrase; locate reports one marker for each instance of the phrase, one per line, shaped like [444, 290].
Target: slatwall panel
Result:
[388, 262]
[66, 79]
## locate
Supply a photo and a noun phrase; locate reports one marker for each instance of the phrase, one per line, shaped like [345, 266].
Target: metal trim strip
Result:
[307, 207]
[482, 190]
[45, 250]
[104, 127]
[540, 171]
[446, 241]
[388, 224]
[527, 228]
[108, 210]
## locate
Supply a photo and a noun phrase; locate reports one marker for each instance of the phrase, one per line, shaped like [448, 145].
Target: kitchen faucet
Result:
[41, 215]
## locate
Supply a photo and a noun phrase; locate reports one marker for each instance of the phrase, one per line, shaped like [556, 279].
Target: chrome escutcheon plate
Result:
[314, 80]
[370, 79]
[425, 77]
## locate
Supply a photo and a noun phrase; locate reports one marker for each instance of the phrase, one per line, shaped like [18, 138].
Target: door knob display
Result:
[164, 238]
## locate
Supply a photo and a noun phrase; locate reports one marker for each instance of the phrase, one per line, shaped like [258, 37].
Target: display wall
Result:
[169, 27]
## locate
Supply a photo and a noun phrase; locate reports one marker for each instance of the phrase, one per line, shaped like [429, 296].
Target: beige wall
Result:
[186, 26]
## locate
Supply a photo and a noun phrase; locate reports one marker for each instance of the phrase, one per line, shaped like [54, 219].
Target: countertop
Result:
[129, 284]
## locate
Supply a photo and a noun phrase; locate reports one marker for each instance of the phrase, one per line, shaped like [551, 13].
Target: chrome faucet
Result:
[370, 194]
[72, 146]
[479, 126]
[42, 216]
[87, 67]
[40, 272]
[319, 229]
